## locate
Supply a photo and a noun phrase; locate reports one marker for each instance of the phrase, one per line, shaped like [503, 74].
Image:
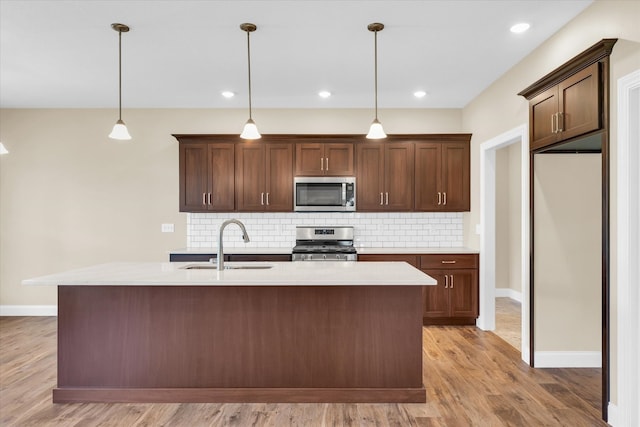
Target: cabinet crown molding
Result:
[595, 53]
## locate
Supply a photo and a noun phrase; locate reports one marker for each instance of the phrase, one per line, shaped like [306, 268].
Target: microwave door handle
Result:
[344, 194]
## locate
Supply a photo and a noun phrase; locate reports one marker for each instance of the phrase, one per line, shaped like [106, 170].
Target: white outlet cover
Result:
[167, 228]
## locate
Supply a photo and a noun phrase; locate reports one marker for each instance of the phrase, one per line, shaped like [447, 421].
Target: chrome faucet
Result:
[245, 236]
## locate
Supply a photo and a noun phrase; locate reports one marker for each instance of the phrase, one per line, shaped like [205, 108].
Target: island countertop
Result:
[327, 273]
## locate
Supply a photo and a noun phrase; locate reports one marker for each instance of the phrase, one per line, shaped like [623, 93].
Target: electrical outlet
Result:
[167, 228]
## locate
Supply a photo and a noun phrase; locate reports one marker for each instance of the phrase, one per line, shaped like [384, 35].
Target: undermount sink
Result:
[227, 267]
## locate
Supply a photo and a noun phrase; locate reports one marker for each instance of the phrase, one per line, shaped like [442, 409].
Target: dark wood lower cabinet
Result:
[455, 299]
[239, 344]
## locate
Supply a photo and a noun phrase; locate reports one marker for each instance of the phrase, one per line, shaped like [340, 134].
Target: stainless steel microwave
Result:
[324, 194]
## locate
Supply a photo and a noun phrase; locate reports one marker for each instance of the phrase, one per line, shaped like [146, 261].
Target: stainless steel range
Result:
[324, 244]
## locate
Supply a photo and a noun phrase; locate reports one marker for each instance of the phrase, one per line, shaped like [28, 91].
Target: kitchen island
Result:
[258, 332]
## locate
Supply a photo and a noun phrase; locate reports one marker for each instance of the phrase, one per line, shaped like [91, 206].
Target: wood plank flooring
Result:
[473, 378]
[508, 321]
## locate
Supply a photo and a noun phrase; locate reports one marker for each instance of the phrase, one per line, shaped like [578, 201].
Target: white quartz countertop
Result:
[361, 250]
[326, 273]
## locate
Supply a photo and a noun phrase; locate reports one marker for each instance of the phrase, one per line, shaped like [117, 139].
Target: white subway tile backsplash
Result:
[277, 230]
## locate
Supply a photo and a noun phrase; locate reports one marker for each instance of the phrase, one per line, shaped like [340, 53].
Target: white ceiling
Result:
[59, 53]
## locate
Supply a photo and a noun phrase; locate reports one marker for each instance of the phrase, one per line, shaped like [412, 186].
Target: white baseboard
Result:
[28, 310]
[568, 359]
[508, 293]
[612, 412]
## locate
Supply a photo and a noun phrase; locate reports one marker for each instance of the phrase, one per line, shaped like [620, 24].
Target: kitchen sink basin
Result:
[227, 267]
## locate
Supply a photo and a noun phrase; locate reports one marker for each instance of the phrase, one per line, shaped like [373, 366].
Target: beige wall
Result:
[567, 252]
[508, 218]
[71, 197]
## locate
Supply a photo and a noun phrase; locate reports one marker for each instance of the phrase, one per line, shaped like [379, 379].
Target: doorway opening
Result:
[518, 136]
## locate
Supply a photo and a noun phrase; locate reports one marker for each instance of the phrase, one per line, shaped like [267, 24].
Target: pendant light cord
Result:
[249, 68]
[375, 56]
[120, 75]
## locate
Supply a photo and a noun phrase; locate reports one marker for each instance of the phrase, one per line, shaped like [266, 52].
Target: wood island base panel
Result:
[239, 344]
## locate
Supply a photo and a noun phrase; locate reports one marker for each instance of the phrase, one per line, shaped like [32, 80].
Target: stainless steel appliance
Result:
[324, 194]
[324, 244]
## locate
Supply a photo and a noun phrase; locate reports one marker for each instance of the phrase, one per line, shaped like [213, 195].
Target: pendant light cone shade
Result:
[250, 130]
[3, 150]
[376, 131]
[120, 130]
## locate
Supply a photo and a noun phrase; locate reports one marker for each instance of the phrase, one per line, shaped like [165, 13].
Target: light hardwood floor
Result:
[508, 318]
[473, 378]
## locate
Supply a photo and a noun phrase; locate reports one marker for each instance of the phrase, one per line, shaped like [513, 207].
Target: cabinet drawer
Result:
[449, 261]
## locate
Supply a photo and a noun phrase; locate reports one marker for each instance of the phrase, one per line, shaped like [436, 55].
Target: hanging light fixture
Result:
[376, 131]
[120, 129]
[250, 130]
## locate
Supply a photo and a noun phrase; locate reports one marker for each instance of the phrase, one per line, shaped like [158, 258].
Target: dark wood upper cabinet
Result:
[221, 173]
[206, 177]
[384, 176]
[442, 176]
[569, 109]
[569, 102]
[324, 159]
[264, 177]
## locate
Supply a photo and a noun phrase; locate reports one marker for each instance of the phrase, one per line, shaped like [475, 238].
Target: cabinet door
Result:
[193, 177]
[463, 293]
[455, 177]
[579, 103]
[370, 176]
[542, 116]
[221, 177]
[279, 178]
[310, 159]
[427, 176]
[398, 172]
[250, 177]
[436, 298]
[338, 159]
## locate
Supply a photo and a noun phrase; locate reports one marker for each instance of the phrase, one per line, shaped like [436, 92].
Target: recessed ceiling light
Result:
[520, 28]
[228, 94]
[324, 94]
[420, 94]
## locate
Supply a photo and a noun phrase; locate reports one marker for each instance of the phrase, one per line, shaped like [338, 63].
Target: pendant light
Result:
[250, 130]
[120, 129]
[376, 131]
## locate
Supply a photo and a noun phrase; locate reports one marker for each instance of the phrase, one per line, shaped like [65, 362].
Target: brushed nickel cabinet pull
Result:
[446, 281]
[439, 198]
[381, 199]
[451, 286]
[204, 198]
[262, 199]
[327, 163]
[445, 198]
[321, 163]
[209, 196]
[387, 198]
[267, 199]
[448, 262]
[560, 122]
[553, 128]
